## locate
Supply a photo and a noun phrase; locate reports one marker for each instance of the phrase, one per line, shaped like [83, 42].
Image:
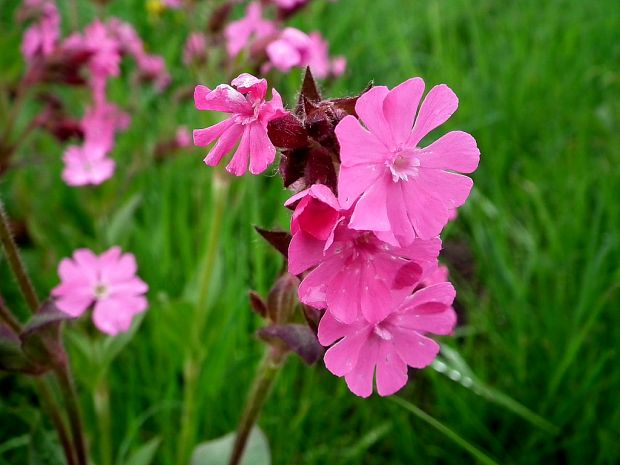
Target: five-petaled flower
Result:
[108, 281]
[390, 344]
[249, 113]
[404, 191]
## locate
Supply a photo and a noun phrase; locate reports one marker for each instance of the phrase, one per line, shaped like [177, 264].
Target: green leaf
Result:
[454, 437]
[122, 219]
[145, 454]
[452, 365]
[218, 451]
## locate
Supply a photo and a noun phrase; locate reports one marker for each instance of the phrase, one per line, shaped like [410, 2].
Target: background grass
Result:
[534, 254]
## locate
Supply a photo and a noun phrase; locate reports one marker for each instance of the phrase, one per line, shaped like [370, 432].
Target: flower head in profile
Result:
[355, 274]
[41, 38]
[381, 349]
[241, 33]
[400, 189]
[244, 100]
[107, 282]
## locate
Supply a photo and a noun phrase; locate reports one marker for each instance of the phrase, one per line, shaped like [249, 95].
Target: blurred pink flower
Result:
[108, 281]
[195, 49]
[404, 191]
[388, 345]
[173, 4]
[41, 38]
[338, 66]
[249, 115]
[87, 164]
[239, 34]
[294, 48]
[183, 137]
[153, 69]
[126, 36]
[356, 274]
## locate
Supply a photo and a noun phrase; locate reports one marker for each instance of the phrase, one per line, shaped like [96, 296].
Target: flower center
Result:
[404, 165]
[383, 333]
[101, 291]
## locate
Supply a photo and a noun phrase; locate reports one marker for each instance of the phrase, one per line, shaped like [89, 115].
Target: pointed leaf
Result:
[145, 454]
[257, 303]
[218, 451]
[279, 240]
[309, 88]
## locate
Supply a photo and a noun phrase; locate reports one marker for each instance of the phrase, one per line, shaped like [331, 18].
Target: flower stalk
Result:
[266, 374]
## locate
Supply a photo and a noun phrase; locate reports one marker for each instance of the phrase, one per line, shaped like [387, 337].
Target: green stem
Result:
[9, 319]
[263, 381]
[101, 400]
[16, 263]
[53, 410]
[195, 356]
[69, 393]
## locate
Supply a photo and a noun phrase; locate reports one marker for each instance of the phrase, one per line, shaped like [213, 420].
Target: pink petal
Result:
[357, 145]
[203, 137]
[313, 289]
[224, 145]
[375, 297]
[74, 304]
[304, 252]
[402, 231]
[439, 104]
[262, 151]
[415, 350]
[391, 371]
[330, 329]
[369, 108]
[343, 294]
[114, 314]
[428, 215]
[455, 151]
[238, 164]
[131, 286]
[360, 378]
[223, 98]
[354, 180]
[451, 188]
[341, 358]
[400, 107]
[246, 83]
[370, 212]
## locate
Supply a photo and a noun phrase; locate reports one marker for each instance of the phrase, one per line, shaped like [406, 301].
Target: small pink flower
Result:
[173, 4]
[249, 115]
[383, 348]
[41, 38]
[239, 34]
[356, 273]
[195, 48]
[183, 137]
[101, 123]
[404, 191]
[126, 36]
[153, 68]
[294, 48]
[86, 165]
[338, 66]
[108, 281]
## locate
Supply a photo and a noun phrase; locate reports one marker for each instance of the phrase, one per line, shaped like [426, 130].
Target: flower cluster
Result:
[99, 51]
[268, 44]
[371, 202]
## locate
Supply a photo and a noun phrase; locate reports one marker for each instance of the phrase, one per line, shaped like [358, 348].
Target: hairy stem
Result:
[263, 381]
[51, 406]
[195, 357]
[69, 393]
[16, 263]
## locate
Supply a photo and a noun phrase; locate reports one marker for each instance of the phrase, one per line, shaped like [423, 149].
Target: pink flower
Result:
[338, 66]
[183, 137]
[239, 34]
[89, 164]
[153, 68]
[173, 4]
[249, 115]
[404, 191]
[356, 273]
[86, 165]
[195, 49]
[388, 345]
[108, 281]
[126, 36]
[295, 48]
[41, 38]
